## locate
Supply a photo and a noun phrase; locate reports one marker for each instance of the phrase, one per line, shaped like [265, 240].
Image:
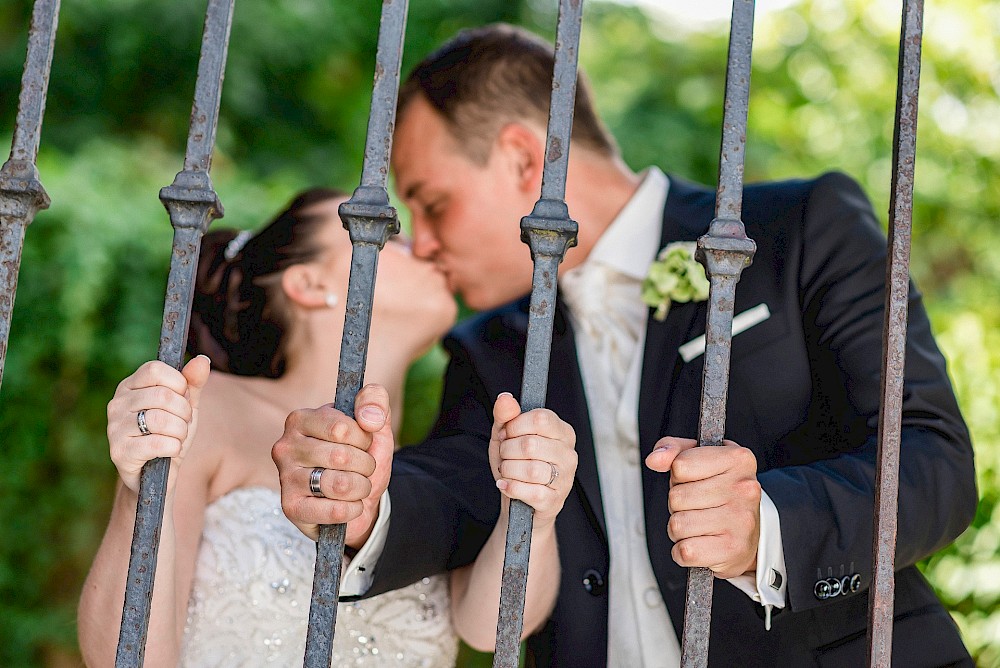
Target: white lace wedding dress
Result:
[249, 601]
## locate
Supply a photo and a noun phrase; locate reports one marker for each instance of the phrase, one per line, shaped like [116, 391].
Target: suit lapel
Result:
[686, 216]
[570, 402]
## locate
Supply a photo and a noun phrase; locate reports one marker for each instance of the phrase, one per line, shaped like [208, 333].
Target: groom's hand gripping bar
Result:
[371, 221]
[725, 251]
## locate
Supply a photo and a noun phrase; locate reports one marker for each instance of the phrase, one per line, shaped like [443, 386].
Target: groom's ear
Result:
[523, 147]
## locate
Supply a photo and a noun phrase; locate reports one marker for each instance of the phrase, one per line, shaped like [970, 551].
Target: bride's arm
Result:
[527, 452]
[170, 399]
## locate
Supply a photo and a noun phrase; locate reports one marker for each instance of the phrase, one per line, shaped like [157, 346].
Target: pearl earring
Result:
[331, 300]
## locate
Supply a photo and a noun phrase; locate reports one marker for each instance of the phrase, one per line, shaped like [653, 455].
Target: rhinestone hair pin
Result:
[234, 247]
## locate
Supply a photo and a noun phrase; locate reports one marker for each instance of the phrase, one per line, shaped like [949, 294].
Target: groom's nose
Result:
[424, 242]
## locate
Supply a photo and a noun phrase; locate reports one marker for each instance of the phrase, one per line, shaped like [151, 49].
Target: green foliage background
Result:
[294, 111]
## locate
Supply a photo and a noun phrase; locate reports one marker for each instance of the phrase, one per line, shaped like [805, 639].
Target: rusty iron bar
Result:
[371, 221]
[894, 336]
[21, 192]
[549, 232]
[192, 204]
[725, 251]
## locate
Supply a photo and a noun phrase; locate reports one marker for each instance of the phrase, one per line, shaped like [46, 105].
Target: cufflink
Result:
[775, 580]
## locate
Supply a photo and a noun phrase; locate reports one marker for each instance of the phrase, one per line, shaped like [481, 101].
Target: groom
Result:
[783, 511]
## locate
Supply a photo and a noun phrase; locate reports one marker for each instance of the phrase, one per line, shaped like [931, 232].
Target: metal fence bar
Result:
[192, 204]
[21, 192]
[371, 221]
[549, 232]
[725, 251]
[894, 336]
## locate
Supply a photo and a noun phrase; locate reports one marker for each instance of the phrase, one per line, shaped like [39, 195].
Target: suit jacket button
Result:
[593, 582]
[834, 586]
[845, 585]
[822, 590]
[855, 582]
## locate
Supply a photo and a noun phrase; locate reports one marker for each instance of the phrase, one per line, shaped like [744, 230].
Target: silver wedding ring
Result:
[314, 477]
[555, 474]
[141, 419]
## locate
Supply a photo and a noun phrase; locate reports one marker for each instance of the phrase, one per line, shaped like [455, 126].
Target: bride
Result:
[234, 576]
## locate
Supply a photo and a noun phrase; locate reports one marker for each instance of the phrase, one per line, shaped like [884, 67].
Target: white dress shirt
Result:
[609, 318]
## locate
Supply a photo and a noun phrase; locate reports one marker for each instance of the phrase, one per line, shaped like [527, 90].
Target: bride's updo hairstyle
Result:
[240, 315]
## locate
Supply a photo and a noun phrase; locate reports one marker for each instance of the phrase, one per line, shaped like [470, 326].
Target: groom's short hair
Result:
[484, 78]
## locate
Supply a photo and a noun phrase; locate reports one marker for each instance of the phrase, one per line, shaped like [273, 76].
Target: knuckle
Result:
[542, 418]
[161, 395]
[157, 371]
[342, 512]
[295, 418]
[675, 525]
[338, 430]
[340, 485]
[675, 498]
[749, 489]
[686, 551]
[681, 468]
[147, 369]
[745, 457]
[338, 459]
[279, 451]
[114, 406]
[530, 446]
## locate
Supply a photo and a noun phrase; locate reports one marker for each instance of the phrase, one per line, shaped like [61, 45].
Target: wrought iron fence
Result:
[548, 230]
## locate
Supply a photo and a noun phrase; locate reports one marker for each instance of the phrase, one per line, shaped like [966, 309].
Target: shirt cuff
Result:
[356, 578]
[767, 586]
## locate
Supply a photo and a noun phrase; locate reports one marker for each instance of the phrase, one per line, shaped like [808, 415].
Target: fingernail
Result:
[507, 393]
[206, 357]
[502, 485]
[372, 414]
[502, 435]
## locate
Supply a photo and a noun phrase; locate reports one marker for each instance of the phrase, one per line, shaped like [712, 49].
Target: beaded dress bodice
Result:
[249, 602]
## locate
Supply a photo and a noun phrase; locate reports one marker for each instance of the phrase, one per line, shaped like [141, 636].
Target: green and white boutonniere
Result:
[675, 276]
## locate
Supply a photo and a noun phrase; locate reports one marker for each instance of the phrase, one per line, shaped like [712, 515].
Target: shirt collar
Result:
[630, 243]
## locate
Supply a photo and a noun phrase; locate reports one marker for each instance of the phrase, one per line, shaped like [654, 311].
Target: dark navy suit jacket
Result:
[804, 396]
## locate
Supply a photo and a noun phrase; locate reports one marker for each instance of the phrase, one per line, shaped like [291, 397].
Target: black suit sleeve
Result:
[444, 499]
[826, 507]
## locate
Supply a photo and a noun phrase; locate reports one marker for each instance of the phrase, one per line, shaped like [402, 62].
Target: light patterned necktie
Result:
[607, 310]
